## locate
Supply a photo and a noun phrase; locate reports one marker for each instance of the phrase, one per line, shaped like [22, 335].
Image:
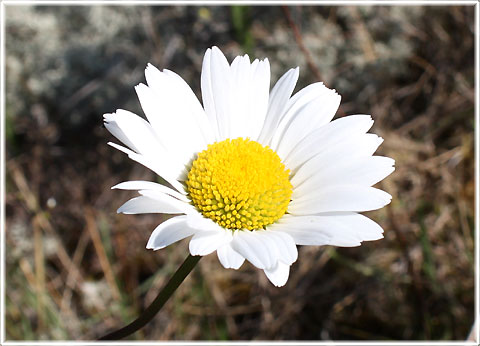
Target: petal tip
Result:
[152, 247]
[278, 276]
[139, 86]
[108, 117]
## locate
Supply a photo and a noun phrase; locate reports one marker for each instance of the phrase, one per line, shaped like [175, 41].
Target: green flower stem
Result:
[180, 275]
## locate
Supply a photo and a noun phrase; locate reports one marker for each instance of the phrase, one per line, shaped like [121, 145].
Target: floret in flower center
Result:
[239, 184]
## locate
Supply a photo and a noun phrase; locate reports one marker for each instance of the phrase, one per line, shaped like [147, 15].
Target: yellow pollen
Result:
[239, 184]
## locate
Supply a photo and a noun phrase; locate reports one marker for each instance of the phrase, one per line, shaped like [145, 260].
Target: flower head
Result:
[253, 172]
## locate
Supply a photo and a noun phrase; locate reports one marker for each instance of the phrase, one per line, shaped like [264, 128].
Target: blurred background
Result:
[76, 270]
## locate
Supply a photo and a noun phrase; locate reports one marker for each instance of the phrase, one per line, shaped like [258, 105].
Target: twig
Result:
[305, 51]
[299, 40]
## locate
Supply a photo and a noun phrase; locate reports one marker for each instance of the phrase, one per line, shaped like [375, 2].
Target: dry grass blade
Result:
[39, 274]
[70, 281]
[366, 41]
[102, 256]
[33, 207]
[220, 301]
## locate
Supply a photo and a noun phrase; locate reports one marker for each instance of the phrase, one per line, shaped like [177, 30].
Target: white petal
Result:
[311, 236]
[205, 242]
[326, 137]
[174, 123]
[315, 107]
[278, 275]
[169, 232]
[235, 97]
[147, 150]
[284, 244]
[137, 133]
[340, 198]
[183, 101]
[161, 169]
[277, 103]
[216, 86]
[250, 90]
[229, 258]
[249, 246]
[350, 148]
[146, 205]
[112, 126]
[122, 149]
[161, 196]
[265, 248]
[305, 230]
[365, 228]
[369, 144]
[207, 94]
[339, 229]
[240, 75]
[365, 171]
[198, 221]
[149, 185]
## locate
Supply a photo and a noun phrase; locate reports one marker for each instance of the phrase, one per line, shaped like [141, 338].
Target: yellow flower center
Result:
[239, 184]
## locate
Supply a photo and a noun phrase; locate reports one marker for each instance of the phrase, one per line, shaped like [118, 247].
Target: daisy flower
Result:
[252, 172]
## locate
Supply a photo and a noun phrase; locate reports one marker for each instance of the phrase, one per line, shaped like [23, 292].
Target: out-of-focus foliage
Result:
[75, 269]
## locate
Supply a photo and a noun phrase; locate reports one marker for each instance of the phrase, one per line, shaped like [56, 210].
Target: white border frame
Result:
[3, 5]
[242, 2]
[2, 172]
